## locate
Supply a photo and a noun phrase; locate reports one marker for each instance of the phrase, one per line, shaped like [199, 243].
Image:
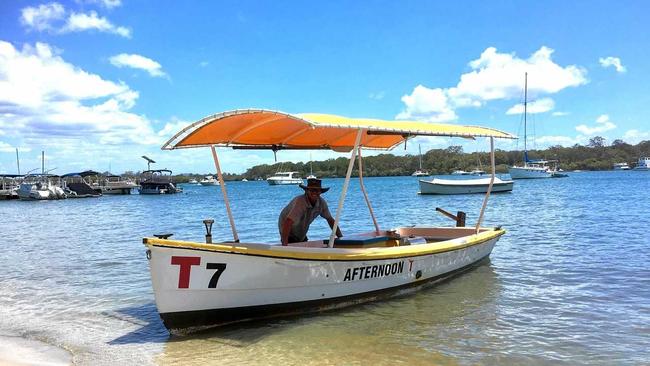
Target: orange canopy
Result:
[259, 129]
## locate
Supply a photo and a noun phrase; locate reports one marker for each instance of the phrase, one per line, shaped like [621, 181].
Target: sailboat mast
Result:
[17, 161]
[43, 162]
[420, 150]
[525, 113]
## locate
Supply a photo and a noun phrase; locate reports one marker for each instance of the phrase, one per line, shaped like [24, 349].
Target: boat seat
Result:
[359, 241]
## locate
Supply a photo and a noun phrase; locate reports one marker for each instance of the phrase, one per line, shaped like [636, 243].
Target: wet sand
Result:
[15, 351]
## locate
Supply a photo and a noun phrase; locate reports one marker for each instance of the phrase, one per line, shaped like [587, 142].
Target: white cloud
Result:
[612, 61]
[40, 18]
[109, 4]
[78, 22]
[559, 114]
[138, 62]
[494, 76]
[50, 17]
[635, 136]
[534, 107]
[602, 124]
[426, 104]
[45, 99]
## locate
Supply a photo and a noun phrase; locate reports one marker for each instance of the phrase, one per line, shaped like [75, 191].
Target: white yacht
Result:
[460, 172]
[420, 172]
[209, 181]
[532, 169]
[643, 164]
[621, 166]
[281, 178]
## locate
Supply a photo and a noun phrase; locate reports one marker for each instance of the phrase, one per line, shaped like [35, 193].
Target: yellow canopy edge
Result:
[258, 128]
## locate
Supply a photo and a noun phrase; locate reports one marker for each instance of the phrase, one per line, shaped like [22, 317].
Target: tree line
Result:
[596, 155]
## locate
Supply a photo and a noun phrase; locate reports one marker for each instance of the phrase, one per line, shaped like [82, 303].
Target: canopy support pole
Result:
[487, 194]
[365, 195]
[225, 194]
[339, 209]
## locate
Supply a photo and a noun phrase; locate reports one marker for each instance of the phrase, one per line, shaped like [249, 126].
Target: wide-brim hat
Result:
[314, 183]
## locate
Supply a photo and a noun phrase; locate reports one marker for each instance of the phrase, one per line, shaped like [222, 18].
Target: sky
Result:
[96, 84]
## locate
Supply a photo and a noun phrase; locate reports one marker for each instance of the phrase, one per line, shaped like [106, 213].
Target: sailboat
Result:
[479, 169]
[311, 169]
[531, 169]
[420, 172]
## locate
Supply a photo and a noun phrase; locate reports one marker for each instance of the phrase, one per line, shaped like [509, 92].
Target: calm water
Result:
[568, 284]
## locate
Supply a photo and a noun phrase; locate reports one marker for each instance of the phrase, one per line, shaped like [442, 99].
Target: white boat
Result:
[115, 184]
[281, 178]
[420, 172]
[40, 190]
[459, 172]
[193, 181]
[621, 166]
[477, 172]
[531, 169]
[643, 164]
[464, 186]
[209, 181]
[203, 285]
[158, 182]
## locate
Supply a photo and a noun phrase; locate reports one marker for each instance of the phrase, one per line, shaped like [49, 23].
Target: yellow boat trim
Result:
[334, 254]
[258, 128]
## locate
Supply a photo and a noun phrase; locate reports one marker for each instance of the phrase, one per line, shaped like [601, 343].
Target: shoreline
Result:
[16, 350]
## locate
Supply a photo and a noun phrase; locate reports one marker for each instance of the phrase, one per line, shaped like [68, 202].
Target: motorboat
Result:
[464, 186]
[532, 169]
[282, 178]
[420, 172]
[40, 187]
[460, 172]
[643, 164]
[158, 182]
[193, 181]
[621, 166]
[79, 185]
[115, 184]
[200, 285]
[209, 181]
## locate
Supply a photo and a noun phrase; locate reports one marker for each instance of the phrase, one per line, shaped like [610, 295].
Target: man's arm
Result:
[330, 221]
[286, 229]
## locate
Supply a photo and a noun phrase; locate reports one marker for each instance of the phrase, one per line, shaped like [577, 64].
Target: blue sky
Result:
[98, 83]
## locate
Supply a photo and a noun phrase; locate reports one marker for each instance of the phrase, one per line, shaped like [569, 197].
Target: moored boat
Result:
[621, 166]
[203, 285]
[209, 180]
[115, 184]
[464, 186]
[643, 164]
[282, 178]
[158, 182]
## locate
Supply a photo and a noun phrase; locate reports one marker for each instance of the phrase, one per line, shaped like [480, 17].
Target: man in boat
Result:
[296, 217]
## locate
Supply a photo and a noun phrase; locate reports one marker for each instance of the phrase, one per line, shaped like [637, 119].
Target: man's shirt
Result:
[302, 213]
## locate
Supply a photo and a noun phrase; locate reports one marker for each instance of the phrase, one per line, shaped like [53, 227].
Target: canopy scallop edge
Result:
[265, 129]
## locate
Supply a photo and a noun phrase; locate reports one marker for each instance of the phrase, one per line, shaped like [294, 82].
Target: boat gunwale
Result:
[334, 254]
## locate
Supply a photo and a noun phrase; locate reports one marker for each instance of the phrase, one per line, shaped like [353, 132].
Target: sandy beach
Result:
[15, 350]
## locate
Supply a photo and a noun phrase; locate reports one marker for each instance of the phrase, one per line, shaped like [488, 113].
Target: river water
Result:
[568, 284]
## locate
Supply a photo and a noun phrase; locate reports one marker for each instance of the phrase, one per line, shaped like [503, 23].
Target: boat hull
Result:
[529, 172]
[279, 182]
[196, 288]
[443, 186]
